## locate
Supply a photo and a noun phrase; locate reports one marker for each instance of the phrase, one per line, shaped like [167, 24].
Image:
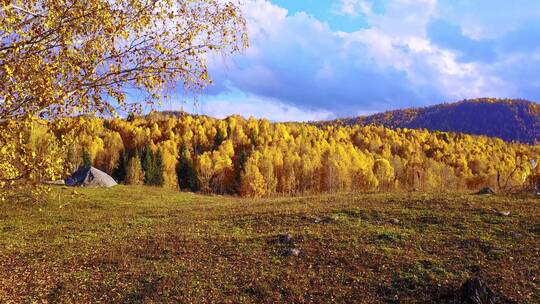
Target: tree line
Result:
[253, 157]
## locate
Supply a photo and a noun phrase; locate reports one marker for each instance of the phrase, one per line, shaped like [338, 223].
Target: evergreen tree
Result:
[146, 162]
[185, 170]
[239, 166]
[152, 164]
[157, 177]
[119, 173]
[147, 165]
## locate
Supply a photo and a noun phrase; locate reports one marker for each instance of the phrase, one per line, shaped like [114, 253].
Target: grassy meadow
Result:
[148, 245]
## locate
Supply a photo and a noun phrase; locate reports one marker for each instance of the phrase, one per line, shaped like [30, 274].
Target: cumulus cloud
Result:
[411, 54]
[353, 7]
[262, 108]
[489, 18]
[248, 105]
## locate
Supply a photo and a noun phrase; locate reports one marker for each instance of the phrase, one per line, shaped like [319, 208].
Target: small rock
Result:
[501, 213]
[536, 230]
[517, 236]
[495, 254]
[293, 251]
[394, 221]
[286, 239]
[474, 291]
[485, 190]
[317, 220]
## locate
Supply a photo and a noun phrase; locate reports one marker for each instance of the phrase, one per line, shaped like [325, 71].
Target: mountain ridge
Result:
[508, 119]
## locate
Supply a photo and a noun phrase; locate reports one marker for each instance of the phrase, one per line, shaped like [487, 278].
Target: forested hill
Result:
[508, 119]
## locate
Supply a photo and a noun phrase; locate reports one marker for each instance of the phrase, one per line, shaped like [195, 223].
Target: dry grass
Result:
[140, 244]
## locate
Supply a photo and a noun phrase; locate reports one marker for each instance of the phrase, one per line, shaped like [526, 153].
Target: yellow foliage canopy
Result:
[280, 158]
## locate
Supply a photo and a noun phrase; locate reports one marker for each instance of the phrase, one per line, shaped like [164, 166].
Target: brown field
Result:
[149, 245]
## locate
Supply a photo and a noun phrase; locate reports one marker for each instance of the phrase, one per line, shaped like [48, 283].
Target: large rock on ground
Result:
[89, 177]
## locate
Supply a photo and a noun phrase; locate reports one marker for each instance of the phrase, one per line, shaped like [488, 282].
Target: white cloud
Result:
[263, 17]
[428, 65]
[348, 7]
[353, 7]
[398, 39]
[489, 18]
[296, 62]
[250, 105]
[262, 108]
[404, 18]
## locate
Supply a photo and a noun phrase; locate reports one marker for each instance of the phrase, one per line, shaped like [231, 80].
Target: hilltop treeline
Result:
[256, 158]
[508, 119]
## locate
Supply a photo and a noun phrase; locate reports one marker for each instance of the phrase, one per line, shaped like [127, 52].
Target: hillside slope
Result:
[508, 119]
[152, 245]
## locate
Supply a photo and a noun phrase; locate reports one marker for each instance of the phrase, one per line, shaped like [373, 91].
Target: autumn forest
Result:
[252, 157]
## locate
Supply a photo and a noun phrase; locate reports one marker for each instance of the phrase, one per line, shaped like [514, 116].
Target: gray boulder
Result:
[89, 177]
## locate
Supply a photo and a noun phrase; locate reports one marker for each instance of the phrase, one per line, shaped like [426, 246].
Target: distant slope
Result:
[508, 119]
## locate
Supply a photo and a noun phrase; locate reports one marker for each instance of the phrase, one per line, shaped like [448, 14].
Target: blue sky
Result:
[319, 59]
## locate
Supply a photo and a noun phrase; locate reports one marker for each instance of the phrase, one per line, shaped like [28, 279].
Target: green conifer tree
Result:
[185, 171]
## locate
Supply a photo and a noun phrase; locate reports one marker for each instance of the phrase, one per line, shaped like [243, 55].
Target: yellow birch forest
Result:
[251, 157]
